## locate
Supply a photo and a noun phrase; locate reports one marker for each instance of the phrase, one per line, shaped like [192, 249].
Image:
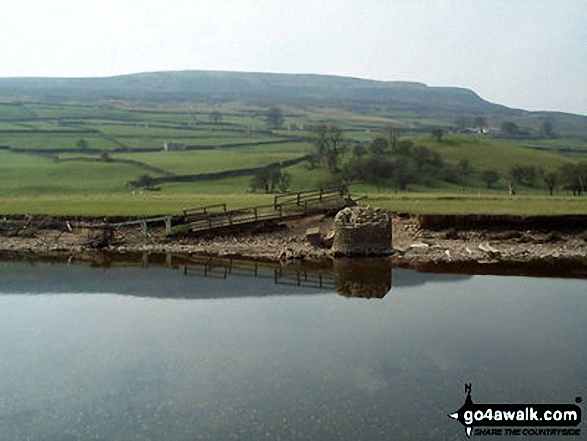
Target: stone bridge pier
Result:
[362, 231]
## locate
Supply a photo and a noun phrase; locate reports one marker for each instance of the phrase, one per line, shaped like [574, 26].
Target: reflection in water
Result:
[171, 276]
[368, 278]
[244, 362]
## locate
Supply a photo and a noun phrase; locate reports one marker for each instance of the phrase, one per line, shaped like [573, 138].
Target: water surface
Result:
[173, 354]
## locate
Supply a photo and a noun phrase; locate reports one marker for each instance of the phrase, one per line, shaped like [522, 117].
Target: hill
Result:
[409, 103]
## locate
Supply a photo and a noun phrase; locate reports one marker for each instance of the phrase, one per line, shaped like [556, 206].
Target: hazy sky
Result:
[522, 53]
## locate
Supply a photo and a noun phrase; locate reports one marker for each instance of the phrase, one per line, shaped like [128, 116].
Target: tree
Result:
[549, 180]
[284, 182]
[464, 166]
[438, 134]
[216, 117]
[275, 117]
[547, 130]
[392, 135]
[421, 155]
[271, 178]
[404, 147]
[449, 174]
[145, 181]
[490, 177]
[574, 177]
[374, 169]
[510, 128]
[82, 144]
[330, 143]
[479, 122]
[436, 161]
[359, 151]
[379, 146]
[523, 174]
[403, 174]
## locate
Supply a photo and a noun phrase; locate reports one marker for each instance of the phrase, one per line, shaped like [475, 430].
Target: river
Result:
[220, 350]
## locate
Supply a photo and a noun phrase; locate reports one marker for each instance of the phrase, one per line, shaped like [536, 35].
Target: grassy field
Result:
[55, 141]
[53, 184]
[423, 203]
[499, 155]
[140, 204]
[155, 203]
[10, 112]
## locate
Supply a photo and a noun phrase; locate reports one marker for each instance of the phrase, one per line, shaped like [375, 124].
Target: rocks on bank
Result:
[354, 231]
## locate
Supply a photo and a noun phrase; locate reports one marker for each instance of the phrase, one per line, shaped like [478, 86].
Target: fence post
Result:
[167, 224]
[256, 214]
[144, 227]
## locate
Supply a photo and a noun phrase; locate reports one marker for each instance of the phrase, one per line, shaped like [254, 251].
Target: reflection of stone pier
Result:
[367, 278]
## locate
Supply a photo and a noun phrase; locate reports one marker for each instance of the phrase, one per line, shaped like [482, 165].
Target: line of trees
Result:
[398, 162]
[512, 130]
[569, 177]
[389, 160]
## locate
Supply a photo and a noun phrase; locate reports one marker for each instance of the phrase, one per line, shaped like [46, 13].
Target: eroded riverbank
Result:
[454, 249]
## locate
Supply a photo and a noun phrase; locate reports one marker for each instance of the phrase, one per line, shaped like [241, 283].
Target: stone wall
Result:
[362, 231]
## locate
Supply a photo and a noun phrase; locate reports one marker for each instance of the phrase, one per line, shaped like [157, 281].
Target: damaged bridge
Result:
[216, 218]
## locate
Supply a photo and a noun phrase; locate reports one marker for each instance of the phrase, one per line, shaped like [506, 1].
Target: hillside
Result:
[407, 102]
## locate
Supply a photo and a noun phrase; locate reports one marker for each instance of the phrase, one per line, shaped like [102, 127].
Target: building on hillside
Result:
[169, 146]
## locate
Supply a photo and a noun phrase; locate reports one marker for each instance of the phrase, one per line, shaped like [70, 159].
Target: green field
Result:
[493, 154]
[54, 141]
[13, 112]
[421, 203]
[67, 180]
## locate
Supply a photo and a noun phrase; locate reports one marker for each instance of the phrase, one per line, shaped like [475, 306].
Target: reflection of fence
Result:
[219, 268]
[304, 278]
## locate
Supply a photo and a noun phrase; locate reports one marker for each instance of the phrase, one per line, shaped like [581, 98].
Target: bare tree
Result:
[330, 143]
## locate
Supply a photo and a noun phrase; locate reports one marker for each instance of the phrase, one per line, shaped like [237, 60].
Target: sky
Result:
[529, 54]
